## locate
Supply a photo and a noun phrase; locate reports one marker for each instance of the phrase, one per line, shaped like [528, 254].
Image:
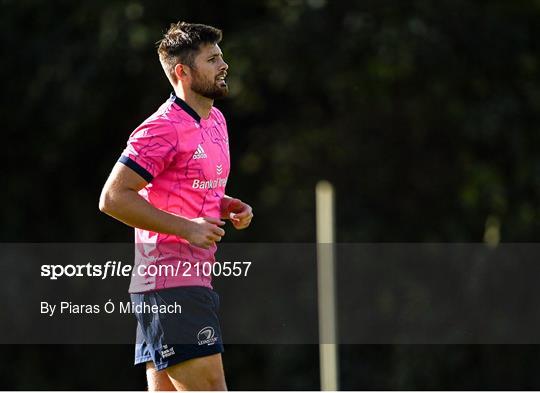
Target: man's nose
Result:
[224, 66]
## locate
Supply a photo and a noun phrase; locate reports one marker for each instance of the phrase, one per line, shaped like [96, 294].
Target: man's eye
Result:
[212, 60]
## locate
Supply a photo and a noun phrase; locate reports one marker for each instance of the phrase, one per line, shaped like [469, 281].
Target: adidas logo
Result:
[199, 153]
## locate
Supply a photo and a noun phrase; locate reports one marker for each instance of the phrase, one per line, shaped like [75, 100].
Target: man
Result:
[169, 184]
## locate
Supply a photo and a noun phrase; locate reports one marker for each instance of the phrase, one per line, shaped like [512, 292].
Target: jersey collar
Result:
[189, 110]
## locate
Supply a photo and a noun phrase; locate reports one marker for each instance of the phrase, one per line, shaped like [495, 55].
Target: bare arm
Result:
[120, 199]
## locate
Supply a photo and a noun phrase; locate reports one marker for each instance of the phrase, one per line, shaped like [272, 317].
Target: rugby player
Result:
[169, 184]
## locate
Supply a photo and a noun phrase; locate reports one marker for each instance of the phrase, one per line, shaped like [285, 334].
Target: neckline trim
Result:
[189, 110]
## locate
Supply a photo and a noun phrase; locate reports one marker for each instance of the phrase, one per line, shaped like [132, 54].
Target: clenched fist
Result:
[205, 232]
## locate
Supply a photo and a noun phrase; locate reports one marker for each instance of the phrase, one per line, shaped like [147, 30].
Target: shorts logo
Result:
[167, 352]
[199, 153]
[206, 336]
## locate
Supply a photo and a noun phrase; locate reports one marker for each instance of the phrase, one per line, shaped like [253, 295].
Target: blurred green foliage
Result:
[423, 115]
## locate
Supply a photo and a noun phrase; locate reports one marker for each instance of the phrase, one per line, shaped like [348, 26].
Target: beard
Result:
[207, 88]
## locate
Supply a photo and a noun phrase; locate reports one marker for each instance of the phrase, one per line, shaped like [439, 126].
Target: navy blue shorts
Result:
[168, 337]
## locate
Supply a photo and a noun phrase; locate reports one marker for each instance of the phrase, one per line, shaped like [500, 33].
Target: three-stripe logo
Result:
[199, 153]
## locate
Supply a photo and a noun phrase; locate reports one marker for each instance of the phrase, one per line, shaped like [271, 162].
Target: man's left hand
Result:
[239, 213]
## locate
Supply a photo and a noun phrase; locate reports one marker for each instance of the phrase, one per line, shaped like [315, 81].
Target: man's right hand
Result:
[205, 232]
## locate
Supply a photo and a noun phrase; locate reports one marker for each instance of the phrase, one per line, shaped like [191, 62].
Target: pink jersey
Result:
[185, 160]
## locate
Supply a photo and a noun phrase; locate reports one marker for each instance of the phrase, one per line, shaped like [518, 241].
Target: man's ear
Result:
[181, 71]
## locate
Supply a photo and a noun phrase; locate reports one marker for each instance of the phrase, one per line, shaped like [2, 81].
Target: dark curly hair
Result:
[182, 42]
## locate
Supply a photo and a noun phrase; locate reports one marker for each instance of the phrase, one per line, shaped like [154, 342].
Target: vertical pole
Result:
[326, 287]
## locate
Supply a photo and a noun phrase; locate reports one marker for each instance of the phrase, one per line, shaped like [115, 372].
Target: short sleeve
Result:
[150, 149]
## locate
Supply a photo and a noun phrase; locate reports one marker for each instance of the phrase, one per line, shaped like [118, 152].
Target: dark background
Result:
[423, 114]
